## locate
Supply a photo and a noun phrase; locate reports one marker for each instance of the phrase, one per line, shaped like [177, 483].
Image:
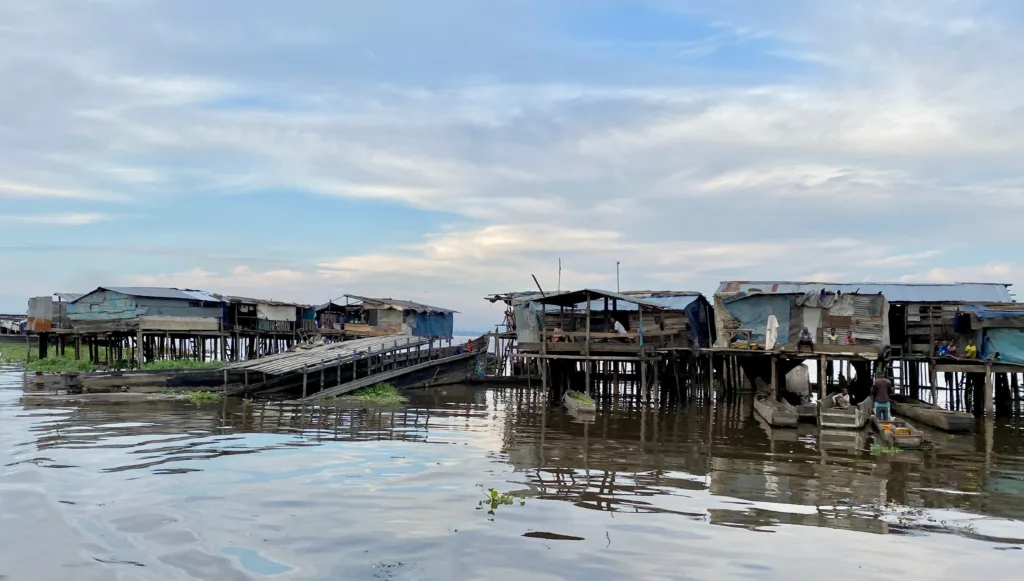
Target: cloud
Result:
[791, 140]
[59, 219]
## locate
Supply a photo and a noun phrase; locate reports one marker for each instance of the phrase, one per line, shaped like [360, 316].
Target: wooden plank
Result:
[976, 367]
[374, 379]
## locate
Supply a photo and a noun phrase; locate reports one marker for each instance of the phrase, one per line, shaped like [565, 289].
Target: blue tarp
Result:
[701, 325]
[433, 325]
[753, 311]
[1009, 343]
[985, 313]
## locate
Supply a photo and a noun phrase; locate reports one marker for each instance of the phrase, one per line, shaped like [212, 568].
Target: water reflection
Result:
[240, 490]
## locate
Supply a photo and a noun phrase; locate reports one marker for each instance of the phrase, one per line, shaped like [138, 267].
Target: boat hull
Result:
[576, 406]
[854, 417]
[778, 414]
[934, 416]
[898, 433]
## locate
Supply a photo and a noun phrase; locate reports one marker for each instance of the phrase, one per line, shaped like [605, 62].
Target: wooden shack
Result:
[262, 315]
[401, 317]
[110, 308]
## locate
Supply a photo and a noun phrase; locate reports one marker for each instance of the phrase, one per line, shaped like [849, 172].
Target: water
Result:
[167, 490]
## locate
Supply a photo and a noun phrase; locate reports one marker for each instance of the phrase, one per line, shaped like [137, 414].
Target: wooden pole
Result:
[990, 404]
[821, 376]
[304, 380]
[587, 363]
[774, 384]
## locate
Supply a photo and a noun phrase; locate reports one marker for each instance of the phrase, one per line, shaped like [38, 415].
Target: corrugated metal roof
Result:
[69, 297]
[677, 302]
[254, 301]
[291, 361]
[572, 298]
[893, 292]
[155, 292]
[402, 305]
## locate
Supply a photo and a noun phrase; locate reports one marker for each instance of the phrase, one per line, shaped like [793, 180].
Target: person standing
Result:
[880, 391]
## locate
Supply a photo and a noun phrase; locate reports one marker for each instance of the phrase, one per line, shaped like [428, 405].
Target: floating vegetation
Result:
[381, 394]
[879, 450]
[203, 397]
[493, 499]
[580, 397]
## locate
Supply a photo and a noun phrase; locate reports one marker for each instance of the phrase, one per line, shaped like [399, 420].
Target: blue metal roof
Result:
[154, 292]
[959, 292]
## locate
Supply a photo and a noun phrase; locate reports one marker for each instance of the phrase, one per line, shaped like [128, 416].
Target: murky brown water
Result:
[167, 490]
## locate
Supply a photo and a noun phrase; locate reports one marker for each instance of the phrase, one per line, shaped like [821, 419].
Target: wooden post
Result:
[990, 404]
[821, 376]
[304, 379]
[587, 346]
[140, 353]
[774, 385]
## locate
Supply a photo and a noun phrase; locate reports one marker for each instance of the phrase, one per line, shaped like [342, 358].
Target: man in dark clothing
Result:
[880, 392]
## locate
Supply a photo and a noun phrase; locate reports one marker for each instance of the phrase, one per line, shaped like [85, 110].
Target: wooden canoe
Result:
[575, 405]
[854, 417]
[898, 433]
[778, 414]
[932, 415]
[842, 439]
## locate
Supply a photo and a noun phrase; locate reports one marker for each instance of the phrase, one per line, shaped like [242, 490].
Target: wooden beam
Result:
[978, 367]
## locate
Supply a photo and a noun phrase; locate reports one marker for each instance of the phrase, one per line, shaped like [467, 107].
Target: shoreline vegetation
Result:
[14, 354]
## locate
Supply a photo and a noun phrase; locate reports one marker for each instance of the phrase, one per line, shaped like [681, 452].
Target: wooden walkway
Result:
[340, 368]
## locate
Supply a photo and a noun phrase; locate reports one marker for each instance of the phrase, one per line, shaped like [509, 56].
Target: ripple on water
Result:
[168, 490]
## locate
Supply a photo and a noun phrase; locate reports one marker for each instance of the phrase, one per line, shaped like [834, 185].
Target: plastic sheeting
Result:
[275, 313]
[753, 311]
[528, 322]
[433, 324]
[1009, 343]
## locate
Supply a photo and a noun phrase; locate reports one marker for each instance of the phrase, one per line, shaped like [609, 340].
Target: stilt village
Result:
[807, 351]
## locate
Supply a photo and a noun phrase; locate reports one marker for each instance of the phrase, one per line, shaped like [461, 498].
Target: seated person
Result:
[849, 338]
[805, 339]
[841, 400]
[832, 337]
[557, 335]
[943, 350]
[951, 349]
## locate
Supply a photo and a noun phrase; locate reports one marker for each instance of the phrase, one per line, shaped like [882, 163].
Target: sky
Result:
[441, 151]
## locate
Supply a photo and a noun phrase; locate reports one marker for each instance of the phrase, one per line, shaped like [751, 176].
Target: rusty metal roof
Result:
[959, 292]
[401, 305]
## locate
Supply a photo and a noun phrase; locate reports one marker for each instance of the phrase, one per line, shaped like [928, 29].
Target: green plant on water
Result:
[183, 364]
[381, 393]
[878, 450]
[580, 397]
[493, 499]
[201, 397]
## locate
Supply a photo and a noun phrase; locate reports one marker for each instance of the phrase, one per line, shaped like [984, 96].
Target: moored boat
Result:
[575, 401]
[854, 417]
[932, 415]
[898, 433]
[778, 414]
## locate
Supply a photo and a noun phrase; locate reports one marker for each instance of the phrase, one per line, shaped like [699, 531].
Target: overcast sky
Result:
[442, 150]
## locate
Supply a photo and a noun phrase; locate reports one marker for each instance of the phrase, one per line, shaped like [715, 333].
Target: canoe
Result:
[807, 411]
[842, 439]
[576, 405]
[932, 415]
[854, 417]
[778, 414]
[898, 433]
